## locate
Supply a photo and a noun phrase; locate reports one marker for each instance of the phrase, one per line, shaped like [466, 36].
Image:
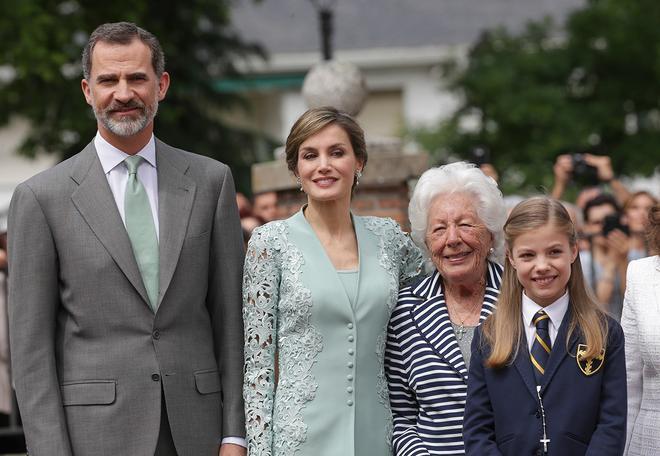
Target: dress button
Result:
[155, 377]
[349, 403]
[349, 326]
[351, 351]
[538, 414]
[350, 365]
[349, 390]
[351, 338]
[155, 334]
[349, 377]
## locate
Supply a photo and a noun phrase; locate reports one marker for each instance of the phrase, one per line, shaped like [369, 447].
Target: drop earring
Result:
[358, 175]
[299, 183]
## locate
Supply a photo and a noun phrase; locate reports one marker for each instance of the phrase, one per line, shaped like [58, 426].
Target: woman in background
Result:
[636, 216]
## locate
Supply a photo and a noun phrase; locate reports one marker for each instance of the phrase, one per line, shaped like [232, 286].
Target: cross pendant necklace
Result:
[461, 331]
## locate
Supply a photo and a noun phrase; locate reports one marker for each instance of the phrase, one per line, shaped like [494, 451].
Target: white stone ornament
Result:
[337, 84]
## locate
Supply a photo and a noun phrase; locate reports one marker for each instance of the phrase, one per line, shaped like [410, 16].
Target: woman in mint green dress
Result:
[318, 290]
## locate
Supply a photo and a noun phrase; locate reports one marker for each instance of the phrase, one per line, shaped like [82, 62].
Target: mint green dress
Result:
[328, 395]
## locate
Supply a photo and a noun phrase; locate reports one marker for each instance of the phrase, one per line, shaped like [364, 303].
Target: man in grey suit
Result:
[125, 280]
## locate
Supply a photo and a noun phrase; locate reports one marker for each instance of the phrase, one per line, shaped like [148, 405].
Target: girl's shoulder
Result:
[614, 332]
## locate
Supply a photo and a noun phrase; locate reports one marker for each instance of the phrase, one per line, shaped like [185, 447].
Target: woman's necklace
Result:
[459, 328]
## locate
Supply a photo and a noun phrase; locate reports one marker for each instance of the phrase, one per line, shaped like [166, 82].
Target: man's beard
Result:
[127, 126]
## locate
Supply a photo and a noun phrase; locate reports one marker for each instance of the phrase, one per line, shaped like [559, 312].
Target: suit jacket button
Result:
[155, 377]
[156, 334]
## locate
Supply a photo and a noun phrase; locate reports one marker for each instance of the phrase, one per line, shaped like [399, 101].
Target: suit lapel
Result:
[176, 193]
[560, 349]
[523, 365]
[97, 206]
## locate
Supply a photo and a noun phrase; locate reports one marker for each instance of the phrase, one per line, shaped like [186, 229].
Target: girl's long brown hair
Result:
[503, 331]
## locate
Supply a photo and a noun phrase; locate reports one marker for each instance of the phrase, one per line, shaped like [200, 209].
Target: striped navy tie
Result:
[541, 346]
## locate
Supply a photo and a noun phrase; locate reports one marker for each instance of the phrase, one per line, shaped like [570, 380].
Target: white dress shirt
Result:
[112, 161]
[555, 311]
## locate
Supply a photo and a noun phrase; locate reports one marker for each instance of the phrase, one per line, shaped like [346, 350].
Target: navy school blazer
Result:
[585, 414]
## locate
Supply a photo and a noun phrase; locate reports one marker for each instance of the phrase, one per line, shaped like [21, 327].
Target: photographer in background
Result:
[480, 156]
[605, 262]
[636, 215]
[586, 170]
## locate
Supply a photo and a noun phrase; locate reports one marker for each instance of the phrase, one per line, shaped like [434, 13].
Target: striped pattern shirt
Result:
[427, 376]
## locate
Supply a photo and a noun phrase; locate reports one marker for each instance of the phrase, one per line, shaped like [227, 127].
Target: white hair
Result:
[455, 178]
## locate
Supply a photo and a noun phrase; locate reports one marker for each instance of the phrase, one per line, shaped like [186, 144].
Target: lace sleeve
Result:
[412, 260]
[260, 296]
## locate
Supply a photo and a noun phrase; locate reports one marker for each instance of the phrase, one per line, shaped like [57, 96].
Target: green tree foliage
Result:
[592, 84]
[40, 46]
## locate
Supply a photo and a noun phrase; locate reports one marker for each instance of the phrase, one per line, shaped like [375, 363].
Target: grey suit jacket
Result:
[89, 356]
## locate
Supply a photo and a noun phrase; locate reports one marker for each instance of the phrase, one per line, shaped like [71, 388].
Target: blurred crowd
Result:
[611, 221]
[261, 209]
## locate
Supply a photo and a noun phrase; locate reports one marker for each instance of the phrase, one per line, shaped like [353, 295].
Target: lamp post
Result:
[325, 12]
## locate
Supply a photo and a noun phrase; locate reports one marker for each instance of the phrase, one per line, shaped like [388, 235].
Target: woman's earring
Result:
[358, 175]
[299, 182]
[491, 251]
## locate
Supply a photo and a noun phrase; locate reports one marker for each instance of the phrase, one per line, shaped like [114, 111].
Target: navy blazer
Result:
[585, 415]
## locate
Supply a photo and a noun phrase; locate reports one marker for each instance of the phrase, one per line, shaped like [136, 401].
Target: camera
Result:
[584, 173]
[480, 155]
[613, 222]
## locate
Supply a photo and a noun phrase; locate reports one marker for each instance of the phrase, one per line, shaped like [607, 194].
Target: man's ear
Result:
[163, 85]
[87, 91]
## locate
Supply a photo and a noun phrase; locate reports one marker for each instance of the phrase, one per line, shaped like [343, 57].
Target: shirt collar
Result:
[110, 156]
[555, 311]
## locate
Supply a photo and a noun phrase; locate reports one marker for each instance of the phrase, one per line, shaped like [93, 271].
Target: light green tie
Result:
[141, 229]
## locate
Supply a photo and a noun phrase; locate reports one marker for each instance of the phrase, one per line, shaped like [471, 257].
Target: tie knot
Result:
[132, 163]
[541, 320]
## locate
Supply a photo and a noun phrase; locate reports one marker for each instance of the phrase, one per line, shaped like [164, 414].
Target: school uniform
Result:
[584, 404]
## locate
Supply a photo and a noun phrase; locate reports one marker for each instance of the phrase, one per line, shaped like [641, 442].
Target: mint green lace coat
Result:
[329, 396]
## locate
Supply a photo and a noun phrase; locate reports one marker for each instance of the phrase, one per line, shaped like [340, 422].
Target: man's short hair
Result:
[123, 33]
[600, 200]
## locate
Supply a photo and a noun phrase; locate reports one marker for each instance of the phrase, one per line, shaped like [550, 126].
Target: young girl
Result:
[548, 371]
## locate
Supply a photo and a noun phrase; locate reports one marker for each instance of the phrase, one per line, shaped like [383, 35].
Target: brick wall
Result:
[389, 200]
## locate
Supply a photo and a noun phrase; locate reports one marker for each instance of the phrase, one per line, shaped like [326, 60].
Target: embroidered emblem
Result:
[589, 366]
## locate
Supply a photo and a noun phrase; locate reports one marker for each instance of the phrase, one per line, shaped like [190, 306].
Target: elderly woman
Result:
[456, 214]
[318, 291]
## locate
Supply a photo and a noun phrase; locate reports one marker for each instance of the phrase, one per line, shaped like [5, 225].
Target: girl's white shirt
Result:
[555, 311]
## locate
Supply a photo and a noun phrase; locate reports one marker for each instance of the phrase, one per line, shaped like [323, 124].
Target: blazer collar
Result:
[431, 285]
[176, 194]
[432, 317]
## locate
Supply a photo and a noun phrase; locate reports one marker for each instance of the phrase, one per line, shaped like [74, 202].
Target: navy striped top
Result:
[426, 373]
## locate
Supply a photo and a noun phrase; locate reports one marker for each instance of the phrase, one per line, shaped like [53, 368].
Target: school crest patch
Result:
[588, 366]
